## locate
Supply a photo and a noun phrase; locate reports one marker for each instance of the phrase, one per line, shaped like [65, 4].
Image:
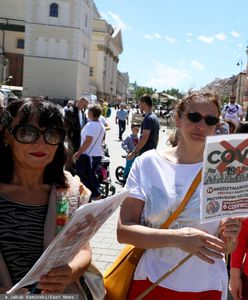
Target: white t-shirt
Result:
[232, 112]
[162, 185]
[96, 130]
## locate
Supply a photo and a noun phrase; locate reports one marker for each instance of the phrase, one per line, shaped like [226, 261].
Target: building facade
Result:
[58, 48]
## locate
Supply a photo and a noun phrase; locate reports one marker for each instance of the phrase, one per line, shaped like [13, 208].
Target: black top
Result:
[151, 123]
[73, 126]
[21, 235]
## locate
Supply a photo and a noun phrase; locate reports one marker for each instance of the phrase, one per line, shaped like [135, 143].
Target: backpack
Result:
[108, 113]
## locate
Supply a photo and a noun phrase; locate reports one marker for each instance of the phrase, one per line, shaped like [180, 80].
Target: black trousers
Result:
[86, 172]
[122, 127]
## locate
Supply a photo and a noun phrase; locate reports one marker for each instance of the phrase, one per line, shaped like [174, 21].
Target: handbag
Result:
[118, 277]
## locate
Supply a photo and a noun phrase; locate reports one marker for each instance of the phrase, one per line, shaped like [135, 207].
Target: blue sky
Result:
[179, 43]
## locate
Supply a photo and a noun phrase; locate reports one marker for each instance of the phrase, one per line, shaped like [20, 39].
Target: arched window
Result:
[54, 10]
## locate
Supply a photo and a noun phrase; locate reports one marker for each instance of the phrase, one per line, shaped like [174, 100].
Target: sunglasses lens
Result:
[26, 134]
[211, 120]
[54, 136]
[194, 117]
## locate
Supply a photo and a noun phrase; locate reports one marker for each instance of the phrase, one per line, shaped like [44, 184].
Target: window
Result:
[20, 44]
[54, 10]
[91, 71]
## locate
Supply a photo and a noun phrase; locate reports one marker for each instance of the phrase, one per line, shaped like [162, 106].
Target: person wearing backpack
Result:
[232, 111]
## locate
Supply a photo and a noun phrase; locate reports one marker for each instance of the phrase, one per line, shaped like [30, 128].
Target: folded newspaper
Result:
[81, 227]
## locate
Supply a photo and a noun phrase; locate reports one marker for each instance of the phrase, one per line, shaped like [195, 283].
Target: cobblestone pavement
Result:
[105, 246]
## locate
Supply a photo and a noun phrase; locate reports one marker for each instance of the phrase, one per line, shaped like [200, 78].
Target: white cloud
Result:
[220, 36]
[157, 35]
[240, 45]
[189, 33]
[197, 65]
[206, 39]
[188, 40]
[148, 36]
[235, 34]
[116, 21]
[170, 39]
[163, 76]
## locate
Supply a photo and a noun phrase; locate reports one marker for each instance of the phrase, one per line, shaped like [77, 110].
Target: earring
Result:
[6, 145]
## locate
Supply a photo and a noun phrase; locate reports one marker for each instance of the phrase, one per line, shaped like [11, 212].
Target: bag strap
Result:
[96, 139]
[184, 202]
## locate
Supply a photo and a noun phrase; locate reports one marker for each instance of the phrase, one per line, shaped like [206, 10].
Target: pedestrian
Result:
[232, 111]
[246, 114]
[238, 284]
[158, 181]
[75, 120]
[149, 132]
[68, 105]
[128, 145]
[89, 154]
[32, 176]
[121, 119]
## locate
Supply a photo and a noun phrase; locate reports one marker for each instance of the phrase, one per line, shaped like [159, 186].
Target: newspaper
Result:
[225, 177]
[81, 227]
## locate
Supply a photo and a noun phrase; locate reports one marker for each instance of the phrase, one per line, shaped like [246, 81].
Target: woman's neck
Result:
[189, 155]
[29, 179]
[184, 155]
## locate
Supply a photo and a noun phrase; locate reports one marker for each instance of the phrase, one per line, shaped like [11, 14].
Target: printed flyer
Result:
[225, 177]
[81, 227]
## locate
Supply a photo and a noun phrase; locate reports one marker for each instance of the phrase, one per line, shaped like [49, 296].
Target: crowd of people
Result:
[44, 146]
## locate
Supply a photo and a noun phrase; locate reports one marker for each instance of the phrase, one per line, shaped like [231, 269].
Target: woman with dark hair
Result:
[36, 194]
[158, 183]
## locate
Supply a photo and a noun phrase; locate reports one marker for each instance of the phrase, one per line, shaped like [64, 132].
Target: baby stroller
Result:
[103, 175]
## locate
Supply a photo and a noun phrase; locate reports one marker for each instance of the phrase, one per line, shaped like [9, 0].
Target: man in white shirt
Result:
[232, 111]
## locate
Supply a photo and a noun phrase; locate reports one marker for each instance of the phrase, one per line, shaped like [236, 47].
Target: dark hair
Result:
[47, 115]
[242, 127]
[182, 105]
[96, 110]
[146, 99]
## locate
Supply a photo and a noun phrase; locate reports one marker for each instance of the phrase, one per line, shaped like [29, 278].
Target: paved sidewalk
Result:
[105, 246]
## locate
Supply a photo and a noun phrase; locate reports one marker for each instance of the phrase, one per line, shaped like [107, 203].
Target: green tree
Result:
[174, 92]
[140, 91]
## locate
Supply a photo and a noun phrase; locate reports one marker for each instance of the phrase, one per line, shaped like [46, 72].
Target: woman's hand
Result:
[56, 281]
[235, 284]
[203, 245]
[229, 231]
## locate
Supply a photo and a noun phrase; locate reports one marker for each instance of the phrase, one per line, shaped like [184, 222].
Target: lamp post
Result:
[240, 63]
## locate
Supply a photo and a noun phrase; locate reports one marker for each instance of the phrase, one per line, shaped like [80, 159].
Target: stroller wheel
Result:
[112, 190]
[104, 189]
[119, 174]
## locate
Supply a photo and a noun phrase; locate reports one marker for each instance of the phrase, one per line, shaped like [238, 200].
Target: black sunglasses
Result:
[196, 117]
[27, 134]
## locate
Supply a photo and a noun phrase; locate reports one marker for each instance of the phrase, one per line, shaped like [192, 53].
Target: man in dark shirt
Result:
[149, 128]
[75, 119]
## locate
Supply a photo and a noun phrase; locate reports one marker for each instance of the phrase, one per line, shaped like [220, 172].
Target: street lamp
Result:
[240, 63]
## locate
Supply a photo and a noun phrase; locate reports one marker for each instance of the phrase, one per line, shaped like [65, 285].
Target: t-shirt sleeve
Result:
[147, 123]
[133, 181]
[240, 111]
[89, 130]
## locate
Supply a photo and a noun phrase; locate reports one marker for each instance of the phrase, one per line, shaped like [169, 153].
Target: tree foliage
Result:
[143, 90]
[174, 92]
